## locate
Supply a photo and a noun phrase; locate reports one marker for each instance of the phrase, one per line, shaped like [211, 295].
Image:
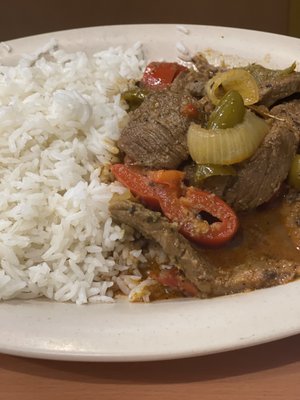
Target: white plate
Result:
[169, 329]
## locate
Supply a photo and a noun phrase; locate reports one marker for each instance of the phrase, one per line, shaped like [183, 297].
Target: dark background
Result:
[22, 18]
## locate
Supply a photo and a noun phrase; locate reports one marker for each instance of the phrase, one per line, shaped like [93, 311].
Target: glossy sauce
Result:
[262, 233]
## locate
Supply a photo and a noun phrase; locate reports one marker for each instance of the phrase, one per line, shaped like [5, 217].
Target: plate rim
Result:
[63, 352]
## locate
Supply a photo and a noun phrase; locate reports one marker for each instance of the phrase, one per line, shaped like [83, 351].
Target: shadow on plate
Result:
[216, 366]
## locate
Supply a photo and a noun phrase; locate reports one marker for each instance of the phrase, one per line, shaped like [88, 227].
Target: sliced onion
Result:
[226, 146]
[234, 79]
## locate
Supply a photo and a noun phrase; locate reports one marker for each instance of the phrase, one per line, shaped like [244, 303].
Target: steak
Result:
[157, 228]
[273, 90]
[209, 280]
[291, 216]
[156, 133]
[289, 110]
[155, 136]
[194, 81]
[260, 177]
[274, 85]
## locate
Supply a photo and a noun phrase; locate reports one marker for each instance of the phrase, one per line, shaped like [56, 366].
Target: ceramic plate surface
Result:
[167, 329]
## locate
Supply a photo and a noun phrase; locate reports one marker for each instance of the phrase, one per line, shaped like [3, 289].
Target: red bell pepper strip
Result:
[140, 185]
[185, 212]
[181, 205]
[169, 177]
[172, 278]
[159, 75]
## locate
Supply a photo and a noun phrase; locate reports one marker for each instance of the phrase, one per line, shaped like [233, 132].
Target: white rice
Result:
[60, 114]
[183, 29]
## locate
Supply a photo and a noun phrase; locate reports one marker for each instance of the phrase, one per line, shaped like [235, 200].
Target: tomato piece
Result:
[169, 177]
[140, 185]
[159, 75]
[173, 279]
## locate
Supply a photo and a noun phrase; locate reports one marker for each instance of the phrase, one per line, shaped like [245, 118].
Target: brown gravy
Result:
[262, 233]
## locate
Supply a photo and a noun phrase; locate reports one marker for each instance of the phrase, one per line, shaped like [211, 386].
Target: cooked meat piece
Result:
[260, 177]
[156, 133]
[155, 227]
[291, 217]
[289, 110]
[219, 184]
[255, 274]
[258, 273]
[202, 65]
[206, 106]
[155, 136]
[193, 81]
[275, 89]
